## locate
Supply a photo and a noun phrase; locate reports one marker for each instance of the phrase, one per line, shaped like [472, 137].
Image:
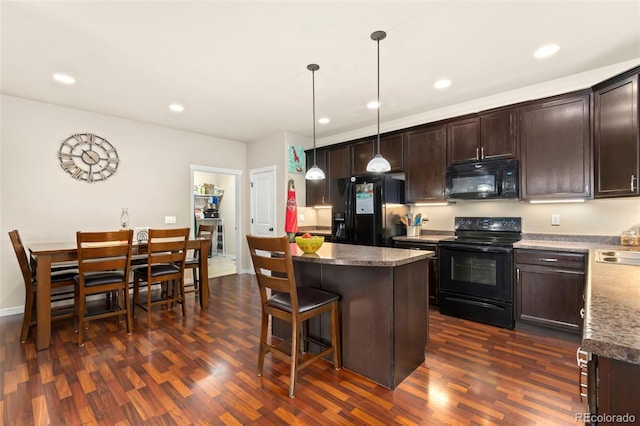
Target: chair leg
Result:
[80, 311]
[127, 308]
[196, 286]
[136, 295]
[149, 304]
[263, 342]
[335, 336]
[183, 299]
[295, 330]
[28, 314]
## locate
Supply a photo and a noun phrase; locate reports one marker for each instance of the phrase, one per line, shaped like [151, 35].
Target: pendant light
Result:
[315, 172]
[378, 163]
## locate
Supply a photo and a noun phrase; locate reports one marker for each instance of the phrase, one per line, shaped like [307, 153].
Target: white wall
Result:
[46, 204]
[597, 217]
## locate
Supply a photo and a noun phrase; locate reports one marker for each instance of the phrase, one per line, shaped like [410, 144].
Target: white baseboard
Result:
[11, 311]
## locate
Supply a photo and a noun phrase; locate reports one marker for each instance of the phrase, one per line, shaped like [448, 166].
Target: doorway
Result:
[263, 201]
[225, 257]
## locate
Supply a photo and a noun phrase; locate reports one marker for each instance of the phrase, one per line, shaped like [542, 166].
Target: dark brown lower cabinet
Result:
[550, 288]
[618, 392]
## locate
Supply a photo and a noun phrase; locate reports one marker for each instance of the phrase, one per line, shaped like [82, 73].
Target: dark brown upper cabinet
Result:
[488, 135]
[338, 161]
[498, 137]
[425, 162]
[616, 143]
[316, 190]
[363, 151]
[463, 140]
[555, 154]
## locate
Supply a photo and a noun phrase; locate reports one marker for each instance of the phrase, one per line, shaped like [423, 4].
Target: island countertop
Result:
[355, 255]
[612, 323]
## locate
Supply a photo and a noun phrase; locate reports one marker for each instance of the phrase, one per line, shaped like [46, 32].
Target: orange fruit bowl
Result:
[309, 245]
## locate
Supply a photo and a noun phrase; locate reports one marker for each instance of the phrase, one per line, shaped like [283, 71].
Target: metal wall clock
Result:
[88, 157]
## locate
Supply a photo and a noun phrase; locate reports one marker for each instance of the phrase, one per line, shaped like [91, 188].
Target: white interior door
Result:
[263, 201]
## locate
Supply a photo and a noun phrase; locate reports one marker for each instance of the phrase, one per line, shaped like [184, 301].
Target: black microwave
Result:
[484, 180]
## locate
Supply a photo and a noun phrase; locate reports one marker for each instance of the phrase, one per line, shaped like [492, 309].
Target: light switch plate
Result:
[555, 219]
[169, 219]
[300, 217]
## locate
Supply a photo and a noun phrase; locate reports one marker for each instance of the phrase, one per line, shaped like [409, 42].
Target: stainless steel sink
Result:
[619, 257]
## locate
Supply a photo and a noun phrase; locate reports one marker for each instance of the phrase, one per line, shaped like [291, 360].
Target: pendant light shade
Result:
[378, 163]
[315, 172]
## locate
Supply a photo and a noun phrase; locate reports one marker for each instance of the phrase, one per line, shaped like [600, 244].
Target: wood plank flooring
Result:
[201, 370]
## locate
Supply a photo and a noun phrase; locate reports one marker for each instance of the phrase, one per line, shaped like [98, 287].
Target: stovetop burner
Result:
[490, 231]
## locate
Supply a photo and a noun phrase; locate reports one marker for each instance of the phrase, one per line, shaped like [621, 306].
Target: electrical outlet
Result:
[169, 219]
[300, 217]
[555, 219]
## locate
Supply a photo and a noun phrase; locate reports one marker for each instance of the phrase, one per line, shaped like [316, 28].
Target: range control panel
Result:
[507, 224]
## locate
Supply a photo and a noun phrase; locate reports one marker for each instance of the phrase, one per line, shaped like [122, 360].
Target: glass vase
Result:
[124, 218]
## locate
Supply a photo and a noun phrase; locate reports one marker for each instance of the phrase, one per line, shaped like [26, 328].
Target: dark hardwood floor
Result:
[202, 371]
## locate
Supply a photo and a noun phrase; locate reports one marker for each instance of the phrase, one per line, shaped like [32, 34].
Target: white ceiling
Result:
[239, 67]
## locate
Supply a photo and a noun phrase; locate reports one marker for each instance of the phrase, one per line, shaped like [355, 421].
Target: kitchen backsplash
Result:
[597, 217]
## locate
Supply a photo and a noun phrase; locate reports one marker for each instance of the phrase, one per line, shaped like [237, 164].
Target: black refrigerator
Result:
[367, 209]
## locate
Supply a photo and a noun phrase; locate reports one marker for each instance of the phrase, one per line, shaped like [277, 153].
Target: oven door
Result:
[475, 270]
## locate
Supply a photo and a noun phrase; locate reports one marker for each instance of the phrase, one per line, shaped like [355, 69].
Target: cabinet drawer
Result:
[417, 246]
[552, 259]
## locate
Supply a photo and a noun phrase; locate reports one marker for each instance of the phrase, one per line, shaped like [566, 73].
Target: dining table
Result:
[47, 255]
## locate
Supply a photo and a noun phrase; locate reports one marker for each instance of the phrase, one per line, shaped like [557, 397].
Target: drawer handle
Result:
[633, 179]
[582, 313]
[547, 259]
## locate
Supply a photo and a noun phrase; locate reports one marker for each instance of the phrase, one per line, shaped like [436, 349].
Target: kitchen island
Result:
[383, 305]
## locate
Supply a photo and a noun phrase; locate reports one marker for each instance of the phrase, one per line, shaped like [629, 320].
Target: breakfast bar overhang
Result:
[383, 306]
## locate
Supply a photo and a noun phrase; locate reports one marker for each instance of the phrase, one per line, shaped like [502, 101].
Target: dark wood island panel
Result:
[383, 306]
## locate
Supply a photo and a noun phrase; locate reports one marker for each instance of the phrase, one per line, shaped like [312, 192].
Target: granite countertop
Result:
[425, 238]
[612, 305]
[355, 255]
[326, 231]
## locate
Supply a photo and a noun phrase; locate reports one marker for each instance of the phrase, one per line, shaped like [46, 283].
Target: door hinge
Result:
[251, 183]
[251, 220]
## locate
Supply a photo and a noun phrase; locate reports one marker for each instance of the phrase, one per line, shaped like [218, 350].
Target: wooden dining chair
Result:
[166, 255]
[193, 263]
[104, 264]
[62, 289]
[273, 266]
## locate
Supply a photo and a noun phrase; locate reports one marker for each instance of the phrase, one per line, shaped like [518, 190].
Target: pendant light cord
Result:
[313, 98]
[378, 43]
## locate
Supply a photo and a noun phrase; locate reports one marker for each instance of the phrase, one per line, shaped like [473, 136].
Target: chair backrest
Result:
[167, 246]
[205, 231]
[23, 260]
[104, 252]
[271, 257]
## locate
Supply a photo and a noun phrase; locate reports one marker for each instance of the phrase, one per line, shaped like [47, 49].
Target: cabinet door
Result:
[498, 134]
[361, 153]
[616, 143]
[338, 167]
[555, 148]
[391, 148]
[618, 389]
[549, 296]
[316, 190]
[463, 140]
[425, 164]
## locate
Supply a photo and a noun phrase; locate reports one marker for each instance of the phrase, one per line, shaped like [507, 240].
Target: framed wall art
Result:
[296, 159]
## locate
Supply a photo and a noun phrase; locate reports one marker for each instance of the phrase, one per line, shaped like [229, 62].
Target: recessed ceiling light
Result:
[373, 105]
[176, 107]
[64, 79]
[442, 84]
[546, 51]
[324, 120]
